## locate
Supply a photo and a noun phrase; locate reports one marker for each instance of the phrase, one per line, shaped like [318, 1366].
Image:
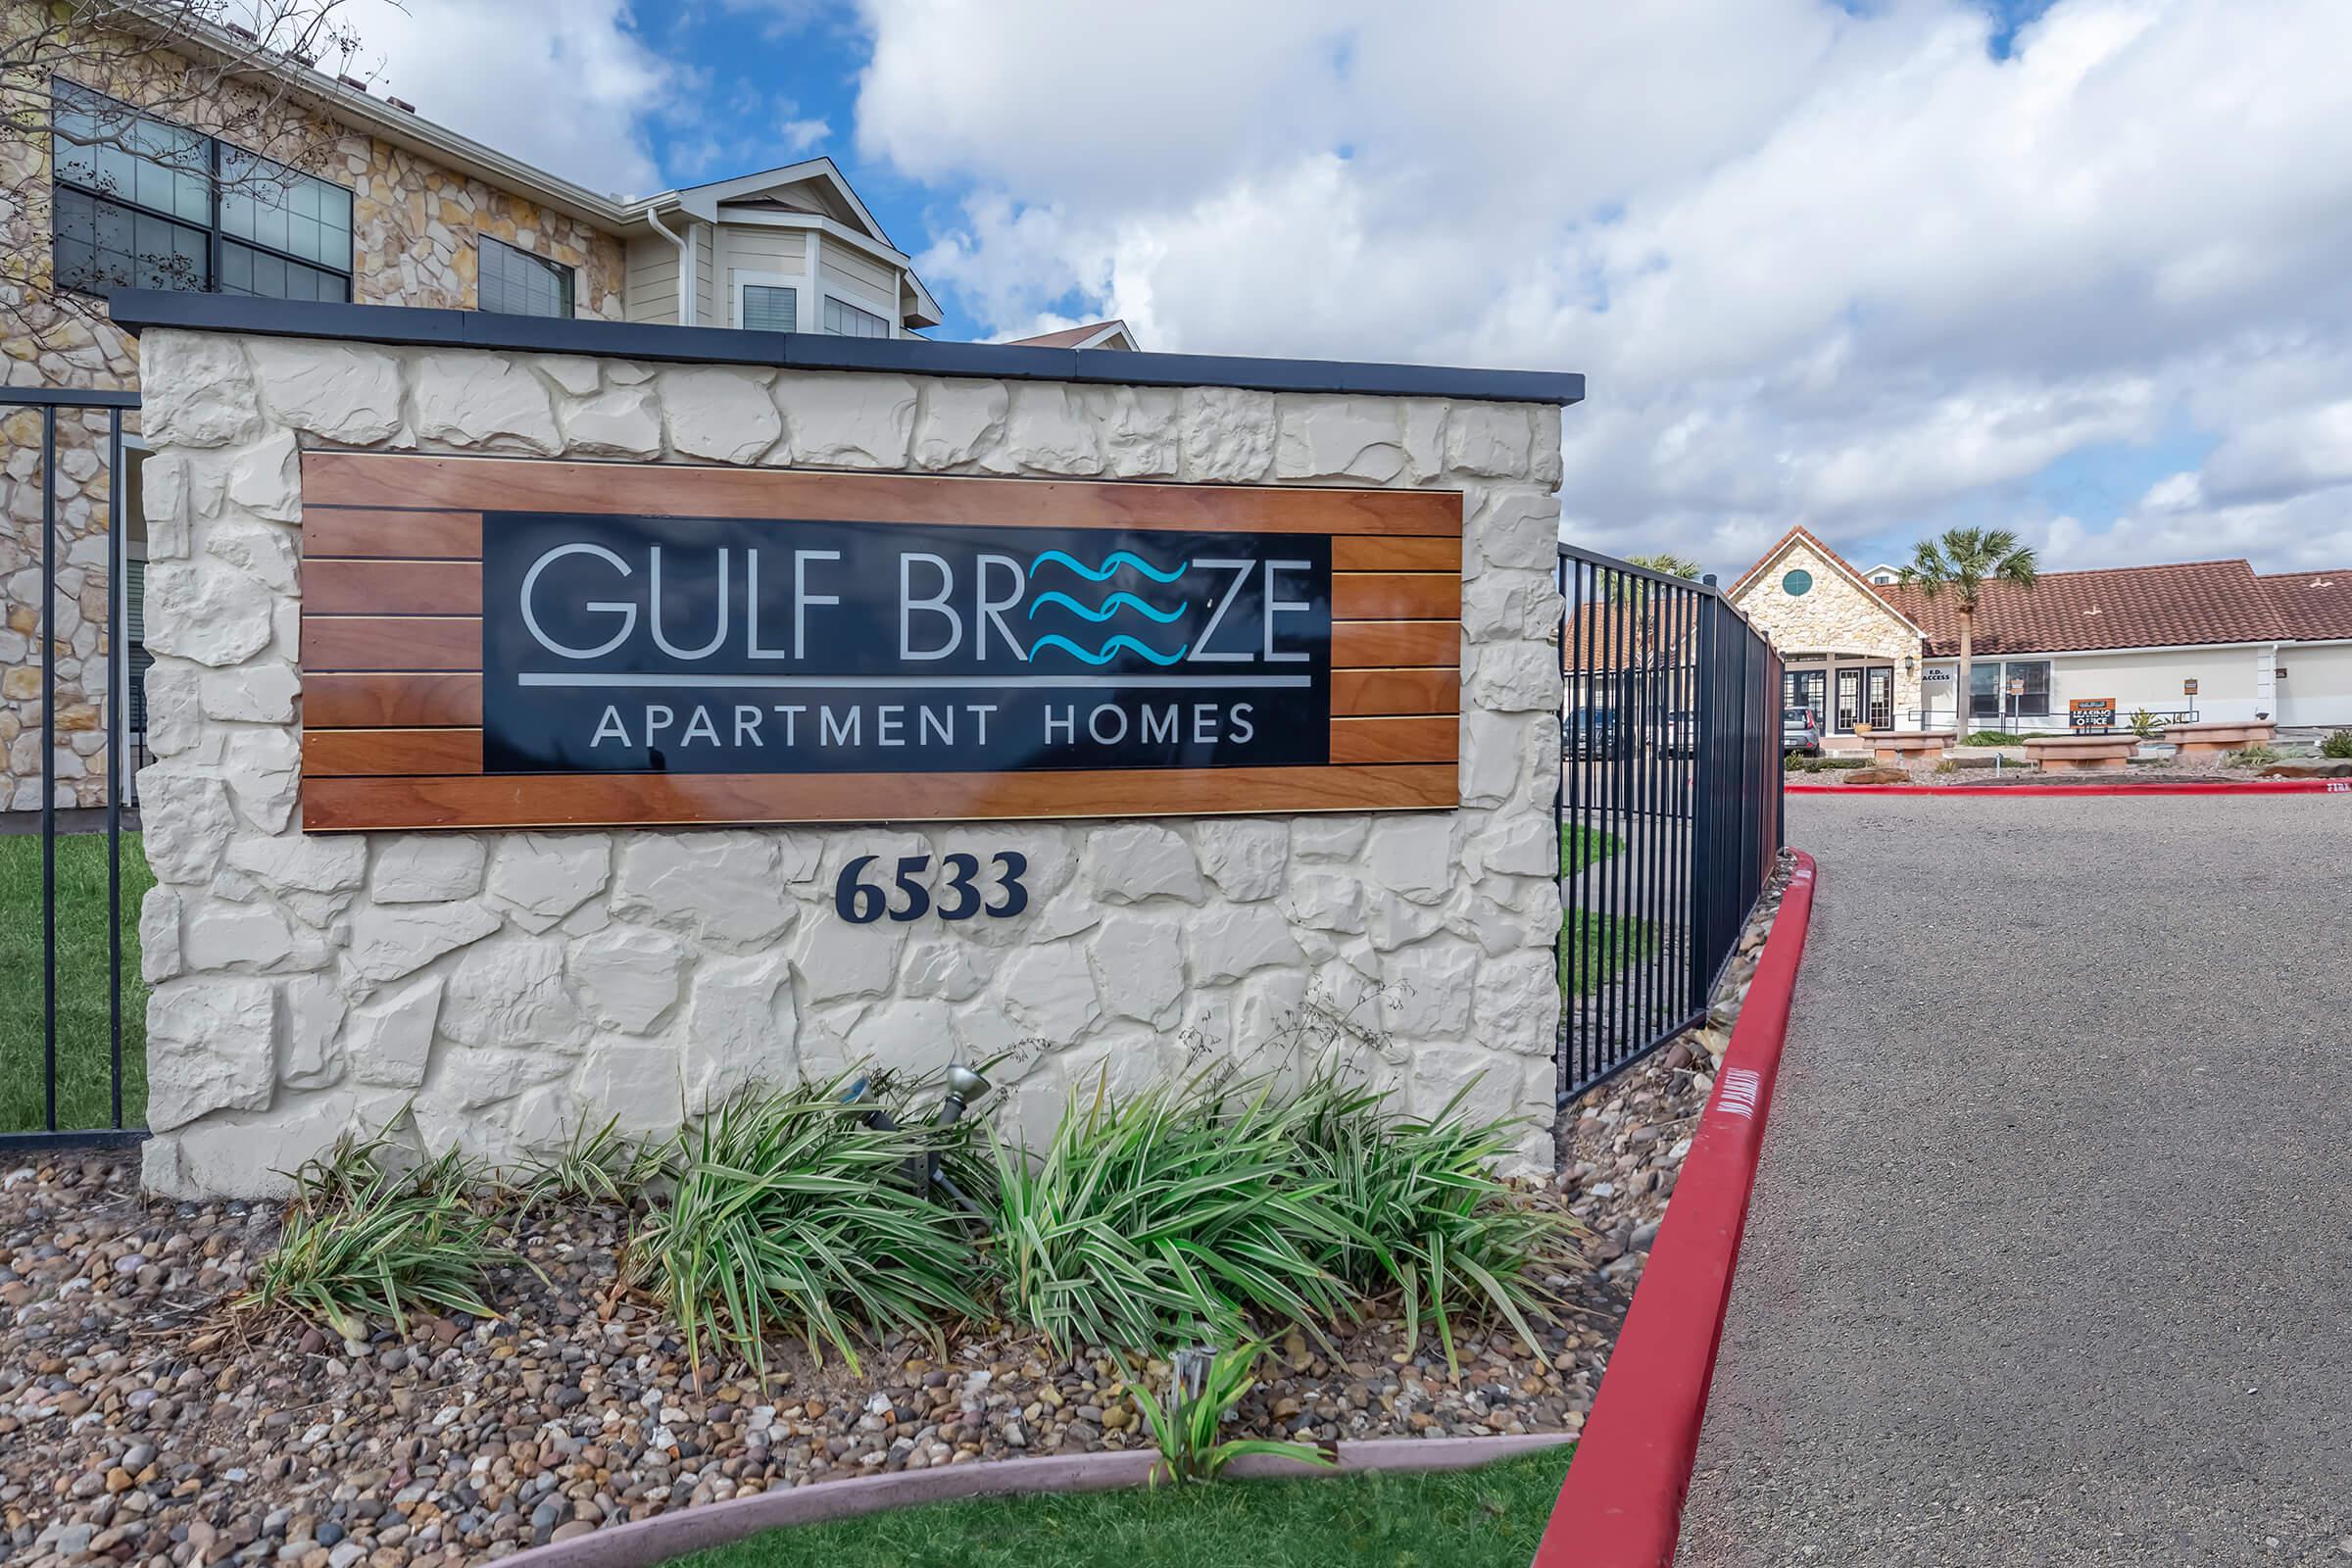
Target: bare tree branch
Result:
[85, 85]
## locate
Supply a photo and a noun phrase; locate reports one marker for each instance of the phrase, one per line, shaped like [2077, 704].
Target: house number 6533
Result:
[861, 902]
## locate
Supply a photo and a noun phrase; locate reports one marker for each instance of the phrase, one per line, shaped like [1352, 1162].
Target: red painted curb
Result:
[1621, 1504]
[2267, 786]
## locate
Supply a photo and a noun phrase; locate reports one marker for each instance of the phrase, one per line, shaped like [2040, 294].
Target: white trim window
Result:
[844, 319]
[767, 302]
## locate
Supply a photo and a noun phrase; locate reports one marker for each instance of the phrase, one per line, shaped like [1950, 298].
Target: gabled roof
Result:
[1802, 534]
[1110, 334]
[2184, 605]
[703, 201]
[2313, 605]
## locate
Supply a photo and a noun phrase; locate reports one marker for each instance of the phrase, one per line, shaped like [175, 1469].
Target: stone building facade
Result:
[1824, 618]
[416, 236]
[513, 985]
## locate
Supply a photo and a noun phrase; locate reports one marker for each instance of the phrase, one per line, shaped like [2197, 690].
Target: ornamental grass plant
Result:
[792, 1211]
[1168, 1216]
[1429, 1222]
[365, 1238]
[1196, 1211]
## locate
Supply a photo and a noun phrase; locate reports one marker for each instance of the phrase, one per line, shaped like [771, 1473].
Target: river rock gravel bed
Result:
[143, 1421]
[1621, 1146]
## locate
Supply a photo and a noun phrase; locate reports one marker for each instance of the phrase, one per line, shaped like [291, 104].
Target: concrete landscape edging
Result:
[1622, 1504]
[2254, 786]
[664, 1536]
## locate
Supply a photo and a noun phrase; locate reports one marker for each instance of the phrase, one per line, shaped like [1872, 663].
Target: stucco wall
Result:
[2318, 689]
[511, 986]
[2229, 677]
[1836, 616]
[414, 235]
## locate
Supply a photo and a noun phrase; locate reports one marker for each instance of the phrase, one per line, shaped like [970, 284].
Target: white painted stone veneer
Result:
[514, 985]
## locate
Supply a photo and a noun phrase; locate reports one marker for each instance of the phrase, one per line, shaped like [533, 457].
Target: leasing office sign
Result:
[634, 645]
[526, 643]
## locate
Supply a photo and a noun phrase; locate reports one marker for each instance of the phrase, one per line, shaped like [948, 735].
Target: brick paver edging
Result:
[664, 1536]
[1622, 1504]
[2252, 786]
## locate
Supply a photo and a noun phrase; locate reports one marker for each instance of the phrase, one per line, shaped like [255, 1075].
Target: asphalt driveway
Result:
[2051, 1258]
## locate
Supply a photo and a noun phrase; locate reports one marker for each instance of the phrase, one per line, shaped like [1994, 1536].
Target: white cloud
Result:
[563, 84]
[1842, 270]
[801, 136]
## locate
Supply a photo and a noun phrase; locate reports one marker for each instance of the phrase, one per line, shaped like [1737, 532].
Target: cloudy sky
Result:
[2083, 269]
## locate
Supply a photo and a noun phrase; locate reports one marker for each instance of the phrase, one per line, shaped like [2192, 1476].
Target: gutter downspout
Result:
[687, 281]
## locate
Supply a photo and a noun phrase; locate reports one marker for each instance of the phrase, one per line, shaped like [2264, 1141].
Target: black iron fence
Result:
[1669, 806]
[70, 869]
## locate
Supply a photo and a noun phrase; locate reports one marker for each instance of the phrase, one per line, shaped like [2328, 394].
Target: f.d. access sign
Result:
[740, 646]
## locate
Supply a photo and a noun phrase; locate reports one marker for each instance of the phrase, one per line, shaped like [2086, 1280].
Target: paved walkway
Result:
[2051, 1258]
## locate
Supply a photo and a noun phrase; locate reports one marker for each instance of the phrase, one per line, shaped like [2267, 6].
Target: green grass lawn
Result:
[1581, 846]
[1480, 1517]
[83, 1083]
[1594, 946]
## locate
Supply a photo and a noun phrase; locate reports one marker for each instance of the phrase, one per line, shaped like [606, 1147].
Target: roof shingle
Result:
[2314, 606]
[2117, 607]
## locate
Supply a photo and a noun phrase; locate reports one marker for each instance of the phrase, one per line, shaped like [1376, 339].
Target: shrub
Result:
[363, 1239]
[1162, 1218]
[790, 1212]
[2258, 754]
[602, 1166]
[2338, 743]
[1995, 737]
[1186, 1428]
[1427, 1218]
[2145, 724]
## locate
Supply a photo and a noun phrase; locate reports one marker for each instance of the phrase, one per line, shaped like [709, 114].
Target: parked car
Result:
[1678, 733]
[1592, 732]
[1800, 731]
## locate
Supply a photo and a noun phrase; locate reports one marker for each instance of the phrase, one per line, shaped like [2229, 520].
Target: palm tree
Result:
[1672, 566]
[1963, 561]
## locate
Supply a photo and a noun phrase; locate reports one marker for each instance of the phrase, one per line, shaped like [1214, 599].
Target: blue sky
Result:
[777, 85]
[1878, 266]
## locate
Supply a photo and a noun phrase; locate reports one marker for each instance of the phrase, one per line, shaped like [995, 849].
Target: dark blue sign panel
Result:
[619, 644]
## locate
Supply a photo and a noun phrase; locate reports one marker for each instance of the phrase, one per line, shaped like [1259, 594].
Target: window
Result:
[141, 203]
[515, 282]
[1988, 688]
[844, 319]
[1797, 583]
[767, 308]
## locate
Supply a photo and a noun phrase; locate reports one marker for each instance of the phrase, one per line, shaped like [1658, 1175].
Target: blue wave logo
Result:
[1107, 609]
[1111, 565]
[1108, 650]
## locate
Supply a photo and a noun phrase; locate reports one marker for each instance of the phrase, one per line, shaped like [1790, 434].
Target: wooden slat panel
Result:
[1397, 554]
[391, 587]
[1358, 692]
[1380, 644]
[339, 805]
[415, 535]
[1355, 741]
[332, 753]
[1395, 596]
[485, 484]
[390, 642]
[391, 702]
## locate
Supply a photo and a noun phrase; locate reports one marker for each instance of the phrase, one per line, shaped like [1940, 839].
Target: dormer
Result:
[788, 250]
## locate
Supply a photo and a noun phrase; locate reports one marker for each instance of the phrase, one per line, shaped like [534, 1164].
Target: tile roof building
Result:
[2209, 637]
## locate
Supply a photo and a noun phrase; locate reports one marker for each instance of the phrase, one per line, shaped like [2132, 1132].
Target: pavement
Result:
[2051, 1261]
